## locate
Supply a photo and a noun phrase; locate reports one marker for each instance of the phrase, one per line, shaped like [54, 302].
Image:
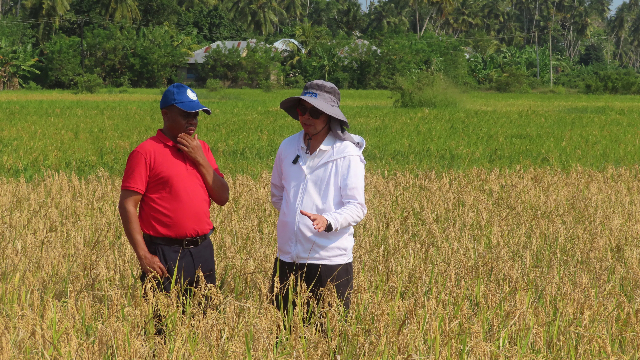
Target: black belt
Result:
[184, 243]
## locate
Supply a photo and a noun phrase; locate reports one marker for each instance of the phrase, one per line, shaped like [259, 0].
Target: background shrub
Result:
[424, 89]
[89, 83]
[512, 80]
[61, 63]
[601, 79]
[32, 86]
[214, 85]
[250, 67]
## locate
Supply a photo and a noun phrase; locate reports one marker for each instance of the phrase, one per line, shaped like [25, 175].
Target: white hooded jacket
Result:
[333, 188]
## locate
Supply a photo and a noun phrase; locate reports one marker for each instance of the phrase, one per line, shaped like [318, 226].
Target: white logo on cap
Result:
[192, 95]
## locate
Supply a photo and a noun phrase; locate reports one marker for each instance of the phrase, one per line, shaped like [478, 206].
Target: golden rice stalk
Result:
[483, 264]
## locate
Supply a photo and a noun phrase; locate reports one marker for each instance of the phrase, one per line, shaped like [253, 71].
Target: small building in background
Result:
[187, 74]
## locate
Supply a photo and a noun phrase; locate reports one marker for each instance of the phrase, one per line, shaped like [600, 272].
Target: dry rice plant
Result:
[480, 264]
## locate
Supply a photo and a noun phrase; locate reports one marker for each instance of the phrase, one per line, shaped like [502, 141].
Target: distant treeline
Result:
[513, 45]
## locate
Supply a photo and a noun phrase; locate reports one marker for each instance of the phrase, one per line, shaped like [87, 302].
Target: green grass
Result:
[61, 131]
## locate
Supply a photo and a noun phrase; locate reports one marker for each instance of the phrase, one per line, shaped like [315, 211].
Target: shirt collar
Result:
[164, 138]
[326, 144]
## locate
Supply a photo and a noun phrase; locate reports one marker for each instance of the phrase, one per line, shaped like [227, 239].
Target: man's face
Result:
[178, 121]
[309, 124]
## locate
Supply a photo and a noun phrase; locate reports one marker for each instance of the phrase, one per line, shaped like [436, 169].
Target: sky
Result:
[615, 4]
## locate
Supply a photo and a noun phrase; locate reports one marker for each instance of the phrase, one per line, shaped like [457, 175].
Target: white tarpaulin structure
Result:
[199, 55]
[358, 47]
[287, 45]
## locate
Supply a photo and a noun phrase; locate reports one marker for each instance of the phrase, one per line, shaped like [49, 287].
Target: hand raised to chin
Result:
[191, 146]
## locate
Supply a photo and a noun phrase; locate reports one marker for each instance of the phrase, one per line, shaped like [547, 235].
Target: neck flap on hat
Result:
[341, 133]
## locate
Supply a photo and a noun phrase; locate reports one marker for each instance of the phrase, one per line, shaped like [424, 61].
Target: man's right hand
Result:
[151, 265]
[128, 208]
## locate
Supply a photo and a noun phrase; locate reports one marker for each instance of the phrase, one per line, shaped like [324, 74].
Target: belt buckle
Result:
[184, 243]
[196, 241]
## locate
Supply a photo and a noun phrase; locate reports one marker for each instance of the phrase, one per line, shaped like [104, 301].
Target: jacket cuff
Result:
[333, 221]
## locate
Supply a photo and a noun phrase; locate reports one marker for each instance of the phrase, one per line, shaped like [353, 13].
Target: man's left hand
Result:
[319, 221]
[191, 146]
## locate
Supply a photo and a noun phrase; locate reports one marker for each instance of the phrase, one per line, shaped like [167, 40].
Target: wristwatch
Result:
[329, 227]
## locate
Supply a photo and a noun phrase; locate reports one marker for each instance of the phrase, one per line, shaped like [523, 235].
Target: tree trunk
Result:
[553, 18]
[18, 9]
[526, 22]
[620, 48]
[3, 75]
[533, 28]
[427, 21]
[417, 22]
[14, 84]
[537, 57]
[569, 46]
[82, 45]
[550, 60]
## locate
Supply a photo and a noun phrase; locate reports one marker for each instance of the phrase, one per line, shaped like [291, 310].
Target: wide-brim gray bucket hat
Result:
[325, 97]
[321, 94]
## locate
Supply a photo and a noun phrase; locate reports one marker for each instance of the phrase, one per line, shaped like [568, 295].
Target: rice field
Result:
[60, 131]
[510, 256]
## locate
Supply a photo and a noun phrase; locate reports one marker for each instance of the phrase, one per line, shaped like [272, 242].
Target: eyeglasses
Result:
[313, 112]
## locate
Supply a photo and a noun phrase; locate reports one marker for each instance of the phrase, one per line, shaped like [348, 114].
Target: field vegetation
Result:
[503, 227]
[63, 131]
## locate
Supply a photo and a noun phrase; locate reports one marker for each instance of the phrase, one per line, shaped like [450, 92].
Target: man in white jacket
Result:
[317, 185]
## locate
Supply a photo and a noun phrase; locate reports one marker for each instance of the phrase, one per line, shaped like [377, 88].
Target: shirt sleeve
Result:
[210, 158]
[352, 192]
[136, 173]
[277, 187]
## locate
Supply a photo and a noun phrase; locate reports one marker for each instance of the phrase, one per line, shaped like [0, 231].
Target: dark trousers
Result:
[315, 277]
[184, 263]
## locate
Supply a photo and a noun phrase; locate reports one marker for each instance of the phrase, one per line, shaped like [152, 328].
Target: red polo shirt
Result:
[175, 202]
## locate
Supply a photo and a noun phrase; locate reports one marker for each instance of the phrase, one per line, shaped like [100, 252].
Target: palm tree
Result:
[292, 8]
[463, 17]
[621, 20]
[258, 15]
[120, 10]
[190, 4]
[438, 10]
[48, 11]
[493, 13]
[348, 16]
[385, 15]
[309, 35]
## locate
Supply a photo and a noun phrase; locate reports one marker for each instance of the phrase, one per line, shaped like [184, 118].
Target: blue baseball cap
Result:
[183, 97]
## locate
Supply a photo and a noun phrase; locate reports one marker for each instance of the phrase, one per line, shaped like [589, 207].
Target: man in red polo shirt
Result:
[173, 177]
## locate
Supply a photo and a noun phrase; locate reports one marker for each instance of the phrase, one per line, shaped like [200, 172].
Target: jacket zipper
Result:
[303, 189]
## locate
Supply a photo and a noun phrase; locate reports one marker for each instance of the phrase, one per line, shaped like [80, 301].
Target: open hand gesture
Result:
[319, 221]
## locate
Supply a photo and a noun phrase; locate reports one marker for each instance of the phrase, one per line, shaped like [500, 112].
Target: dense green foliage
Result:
[508, 46]
[61, 131]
